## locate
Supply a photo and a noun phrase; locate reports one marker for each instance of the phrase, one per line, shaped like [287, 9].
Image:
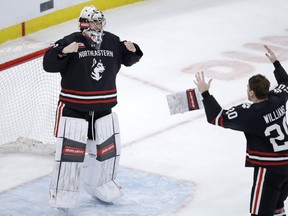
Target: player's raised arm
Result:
[270, 54]
[212, 107]
[279, 72]
[200, 82]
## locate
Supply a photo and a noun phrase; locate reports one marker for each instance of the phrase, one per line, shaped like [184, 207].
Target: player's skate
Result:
[102, 160]
[280, 212]
[70, 152]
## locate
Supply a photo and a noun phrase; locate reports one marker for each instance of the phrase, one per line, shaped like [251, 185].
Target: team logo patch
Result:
[97, 69]
[246, 105]
[107, 149]
[73, 151]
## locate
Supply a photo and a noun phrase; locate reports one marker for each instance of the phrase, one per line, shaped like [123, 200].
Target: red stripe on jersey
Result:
[88, 101]
[264, 163]
[221, 121]
[271, 154]
[89, 92]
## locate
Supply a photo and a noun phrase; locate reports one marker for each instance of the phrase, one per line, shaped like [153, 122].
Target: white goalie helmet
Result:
[91, 23]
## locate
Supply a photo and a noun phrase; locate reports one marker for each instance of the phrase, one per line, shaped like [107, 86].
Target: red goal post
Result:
[28, 99]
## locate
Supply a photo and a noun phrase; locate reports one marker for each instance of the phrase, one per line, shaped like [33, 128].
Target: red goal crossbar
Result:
[23, 59]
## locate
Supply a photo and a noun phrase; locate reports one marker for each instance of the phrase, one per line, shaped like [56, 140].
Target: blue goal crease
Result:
[144, 194]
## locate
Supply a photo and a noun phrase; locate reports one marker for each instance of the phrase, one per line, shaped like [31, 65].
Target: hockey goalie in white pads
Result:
[69, 157]
[102, 160]
[184, 101]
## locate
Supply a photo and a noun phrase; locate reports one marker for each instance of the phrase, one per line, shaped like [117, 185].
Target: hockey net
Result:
[28, 100]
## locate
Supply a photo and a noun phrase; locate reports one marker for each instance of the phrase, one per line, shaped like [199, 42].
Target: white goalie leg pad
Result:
[91, 149]
[70, 152]
[101, 163]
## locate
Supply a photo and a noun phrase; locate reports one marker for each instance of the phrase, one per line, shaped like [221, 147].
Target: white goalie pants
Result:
[100, 157]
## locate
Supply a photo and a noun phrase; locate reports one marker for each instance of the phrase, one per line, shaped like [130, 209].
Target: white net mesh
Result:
[28, 98]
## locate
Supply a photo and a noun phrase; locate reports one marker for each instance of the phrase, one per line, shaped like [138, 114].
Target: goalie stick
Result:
[184, 101]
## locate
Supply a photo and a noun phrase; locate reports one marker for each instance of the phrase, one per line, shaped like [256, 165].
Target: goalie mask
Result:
[91, 23]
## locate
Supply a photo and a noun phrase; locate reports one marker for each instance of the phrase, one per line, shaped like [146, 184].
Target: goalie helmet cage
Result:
[28, 98]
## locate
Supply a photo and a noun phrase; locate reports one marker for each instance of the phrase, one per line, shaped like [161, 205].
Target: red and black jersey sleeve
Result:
[280, 73]
[212, 107]
[129, 58]
[51, 60]
[234, 118]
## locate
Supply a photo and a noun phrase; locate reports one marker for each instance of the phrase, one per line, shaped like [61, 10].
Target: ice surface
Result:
[225, 39]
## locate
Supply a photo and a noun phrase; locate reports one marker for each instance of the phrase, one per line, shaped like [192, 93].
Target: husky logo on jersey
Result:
[98, 69]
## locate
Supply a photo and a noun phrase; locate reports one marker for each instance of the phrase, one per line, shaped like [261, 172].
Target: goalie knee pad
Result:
[102, 161]
[69, 157]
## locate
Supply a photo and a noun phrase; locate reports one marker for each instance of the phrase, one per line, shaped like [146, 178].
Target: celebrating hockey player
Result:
[88, 138]
[265, 127]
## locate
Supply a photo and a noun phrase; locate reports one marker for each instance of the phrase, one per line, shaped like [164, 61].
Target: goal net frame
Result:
[28, 100]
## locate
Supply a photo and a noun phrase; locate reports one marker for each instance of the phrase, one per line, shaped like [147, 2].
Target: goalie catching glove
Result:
[184, 101]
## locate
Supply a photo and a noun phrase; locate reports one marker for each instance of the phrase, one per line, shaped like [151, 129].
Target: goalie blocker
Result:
[184, 101]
